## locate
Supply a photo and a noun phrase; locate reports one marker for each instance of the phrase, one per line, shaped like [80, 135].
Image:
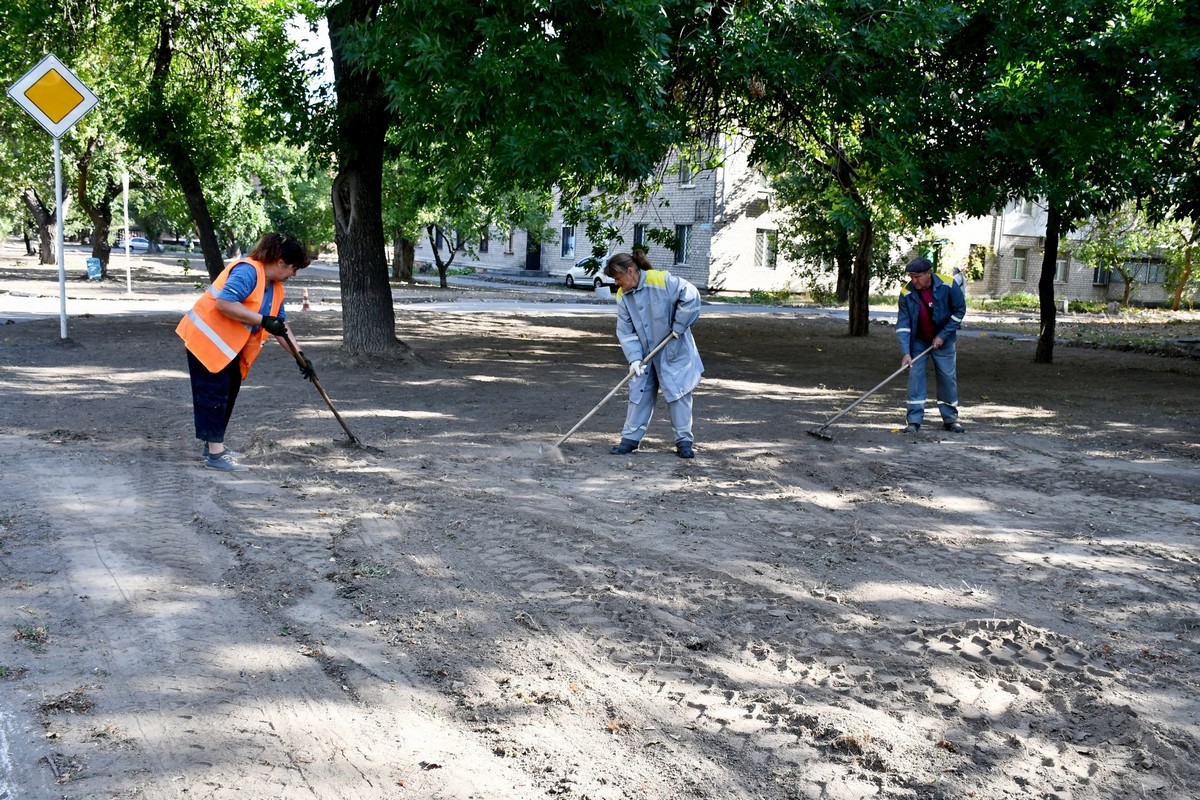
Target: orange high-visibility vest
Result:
[216, 339]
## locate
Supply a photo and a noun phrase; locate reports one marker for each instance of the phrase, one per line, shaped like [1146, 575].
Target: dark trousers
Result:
[213, 396]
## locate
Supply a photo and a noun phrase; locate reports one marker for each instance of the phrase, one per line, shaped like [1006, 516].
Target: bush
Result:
[770, 298]
[1021, 301]
[822, 296]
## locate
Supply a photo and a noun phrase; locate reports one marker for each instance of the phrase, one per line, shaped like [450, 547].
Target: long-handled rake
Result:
[608, 396]
[821, 432]
[321, 389]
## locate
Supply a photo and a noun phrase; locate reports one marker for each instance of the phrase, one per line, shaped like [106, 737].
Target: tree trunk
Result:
[174, 149]
[403, 253]
[844, 256]
[1184, 279]
[193, 193]
[99, 213]
[1049, 314]
[29, 251]
[368, 318]
[860, 287]
[46, 221]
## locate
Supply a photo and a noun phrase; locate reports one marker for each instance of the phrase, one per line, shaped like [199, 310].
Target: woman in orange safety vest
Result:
[228, 327]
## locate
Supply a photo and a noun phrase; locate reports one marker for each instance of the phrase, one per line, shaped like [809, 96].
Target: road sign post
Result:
[53, 96]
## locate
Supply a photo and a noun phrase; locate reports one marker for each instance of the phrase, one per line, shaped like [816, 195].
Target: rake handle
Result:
[608, 396]
[321, 389]
[878, 386]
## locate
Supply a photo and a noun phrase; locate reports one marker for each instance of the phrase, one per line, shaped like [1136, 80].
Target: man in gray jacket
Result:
[653, 304]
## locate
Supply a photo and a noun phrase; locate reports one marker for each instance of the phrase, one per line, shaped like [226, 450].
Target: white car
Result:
[578, 274]
[137, 244]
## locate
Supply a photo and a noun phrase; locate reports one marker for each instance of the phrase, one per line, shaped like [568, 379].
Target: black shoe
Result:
[683, 449]
[953, 427]
[912, 427]
[625, 447]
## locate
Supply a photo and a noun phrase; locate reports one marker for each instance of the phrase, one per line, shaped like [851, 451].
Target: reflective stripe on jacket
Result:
[216, 339]
[949, 308]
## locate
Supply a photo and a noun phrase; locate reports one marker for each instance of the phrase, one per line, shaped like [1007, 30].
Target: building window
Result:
[1020, 259]
[1101, 277]
[1148, 272]
[639, 236]
[686, 176]
[704, 210]
[439, 239]
[568, 241]
[1060, 270]
[483, 241]
[765, 243]
[683, 243]
[511, 243]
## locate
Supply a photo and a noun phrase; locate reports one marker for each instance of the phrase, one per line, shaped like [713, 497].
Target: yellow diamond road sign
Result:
[53, 96]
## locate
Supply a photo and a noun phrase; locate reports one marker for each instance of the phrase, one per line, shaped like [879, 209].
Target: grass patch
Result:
[34, 634]
[371, 570]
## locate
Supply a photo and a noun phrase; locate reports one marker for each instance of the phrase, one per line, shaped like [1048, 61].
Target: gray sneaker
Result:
[232, 453]
[224, 462]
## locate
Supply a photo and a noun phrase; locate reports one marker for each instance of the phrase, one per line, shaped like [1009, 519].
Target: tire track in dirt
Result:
[645, 622]
[175, 665]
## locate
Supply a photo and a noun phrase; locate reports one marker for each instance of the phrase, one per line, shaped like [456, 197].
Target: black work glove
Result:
[274, 326]
[307, 370]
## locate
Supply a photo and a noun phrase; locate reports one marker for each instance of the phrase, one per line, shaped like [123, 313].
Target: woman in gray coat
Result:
[653, 304]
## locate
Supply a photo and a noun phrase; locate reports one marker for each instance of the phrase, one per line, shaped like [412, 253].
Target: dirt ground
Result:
[464, 611]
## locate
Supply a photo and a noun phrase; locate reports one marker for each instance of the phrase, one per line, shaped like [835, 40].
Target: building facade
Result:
[1012, 243]
[720, 217]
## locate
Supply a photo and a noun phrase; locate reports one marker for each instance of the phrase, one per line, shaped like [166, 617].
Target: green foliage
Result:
[1019, 301]
[296, 194]
[765, 297]
[822, 296]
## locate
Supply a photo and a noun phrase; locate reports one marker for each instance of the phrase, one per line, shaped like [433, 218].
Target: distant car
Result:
[137, 244]
[578, 274]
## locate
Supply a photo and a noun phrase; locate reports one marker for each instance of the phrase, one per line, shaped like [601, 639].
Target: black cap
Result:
[919, 265]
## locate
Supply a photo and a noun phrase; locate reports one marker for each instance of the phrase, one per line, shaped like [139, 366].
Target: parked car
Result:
[137, 244]
[578, 274]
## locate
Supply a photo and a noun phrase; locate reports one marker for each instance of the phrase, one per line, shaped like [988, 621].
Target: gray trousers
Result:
[641, 410]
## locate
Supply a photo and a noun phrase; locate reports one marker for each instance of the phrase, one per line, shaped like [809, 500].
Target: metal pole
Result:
[62, 261]
[128, 267]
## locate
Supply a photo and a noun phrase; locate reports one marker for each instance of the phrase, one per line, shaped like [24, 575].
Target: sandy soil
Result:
[464, 611]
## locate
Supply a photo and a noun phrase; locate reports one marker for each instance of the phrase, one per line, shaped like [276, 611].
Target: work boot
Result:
[912, 427]
[625, 447]
[953, 427]
[224, 463]
[683, 449]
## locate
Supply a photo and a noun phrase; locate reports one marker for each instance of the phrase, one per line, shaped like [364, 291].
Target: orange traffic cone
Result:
[305, 306]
